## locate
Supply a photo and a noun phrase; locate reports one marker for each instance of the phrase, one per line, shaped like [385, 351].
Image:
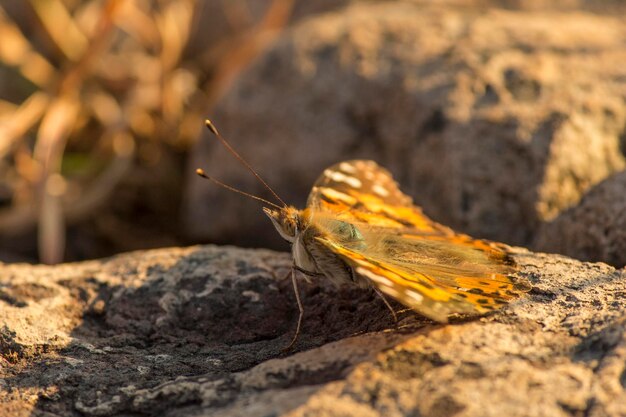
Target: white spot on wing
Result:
[375, 277]
[339, 196]
[417, 297]
[346, 167]
[341, 177]
[392, 292]
[380, 190]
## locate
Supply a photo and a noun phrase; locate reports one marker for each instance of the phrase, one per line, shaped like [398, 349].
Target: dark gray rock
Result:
[200, 332]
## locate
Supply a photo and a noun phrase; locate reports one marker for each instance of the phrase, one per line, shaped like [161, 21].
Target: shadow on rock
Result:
[189, 326]
[201, 331]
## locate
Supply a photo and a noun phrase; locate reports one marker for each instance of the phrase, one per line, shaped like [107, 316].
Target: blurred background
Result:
[102, 105]
[100, 102]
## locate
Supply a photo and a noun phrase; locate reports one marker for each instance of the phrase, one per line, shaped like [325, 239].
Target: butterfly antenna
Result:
[217, 134]
[228, 187]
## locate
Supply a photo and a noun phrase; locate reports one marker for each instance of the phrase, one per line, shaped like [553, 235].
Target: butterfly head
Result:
[288, 221]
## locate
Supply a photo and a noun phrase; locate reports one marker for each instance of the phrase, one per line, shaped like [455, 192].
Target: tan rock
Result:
[593, 230]
[495, 120]
[199, 331]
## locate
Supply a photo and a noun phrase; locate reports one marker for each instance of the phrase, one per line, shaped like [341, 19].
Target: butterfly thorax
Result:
[303, 229]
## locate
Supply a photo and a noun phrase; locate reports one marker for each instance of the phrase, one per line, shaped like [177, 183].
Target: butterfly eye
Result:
[289, 225]
[293, 225]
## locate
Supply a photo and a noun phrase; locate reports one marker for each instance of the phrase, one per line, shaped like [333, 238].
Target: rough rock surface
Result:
[199, 332]
[494, 120]
[593, 230]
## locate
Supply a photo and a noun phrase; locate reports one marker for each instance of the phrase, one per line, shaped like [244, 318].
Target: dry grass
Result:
[92, 91]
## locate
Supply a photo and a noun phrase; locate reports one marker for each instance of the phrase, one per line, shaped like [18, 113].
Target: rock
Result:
[221, 22]
[495, 121]
[200, 331]
[593, 230]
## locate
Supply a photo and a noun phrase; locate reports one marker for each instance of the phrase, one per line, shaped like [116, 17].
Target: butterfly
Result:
[359, 228]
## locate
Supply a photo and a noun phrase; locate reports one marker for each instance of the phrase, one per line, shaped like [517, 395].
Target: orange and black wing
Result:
[435, 279]
[424, 265]
[362, 191]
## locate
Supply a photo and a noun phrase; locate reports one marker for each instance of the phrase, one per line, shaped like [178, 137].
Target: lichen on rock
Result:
[200, 331]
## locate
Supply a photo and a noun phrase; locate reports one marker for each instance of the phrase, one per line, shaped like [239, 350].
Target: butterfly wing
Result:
[362, 191]
[404, 268]
[422, 264]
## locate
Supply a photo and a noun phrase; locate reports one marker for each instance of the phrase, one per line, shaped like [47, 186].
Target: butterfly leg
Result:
[300, 308]
[308, 273]
[393, 312]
